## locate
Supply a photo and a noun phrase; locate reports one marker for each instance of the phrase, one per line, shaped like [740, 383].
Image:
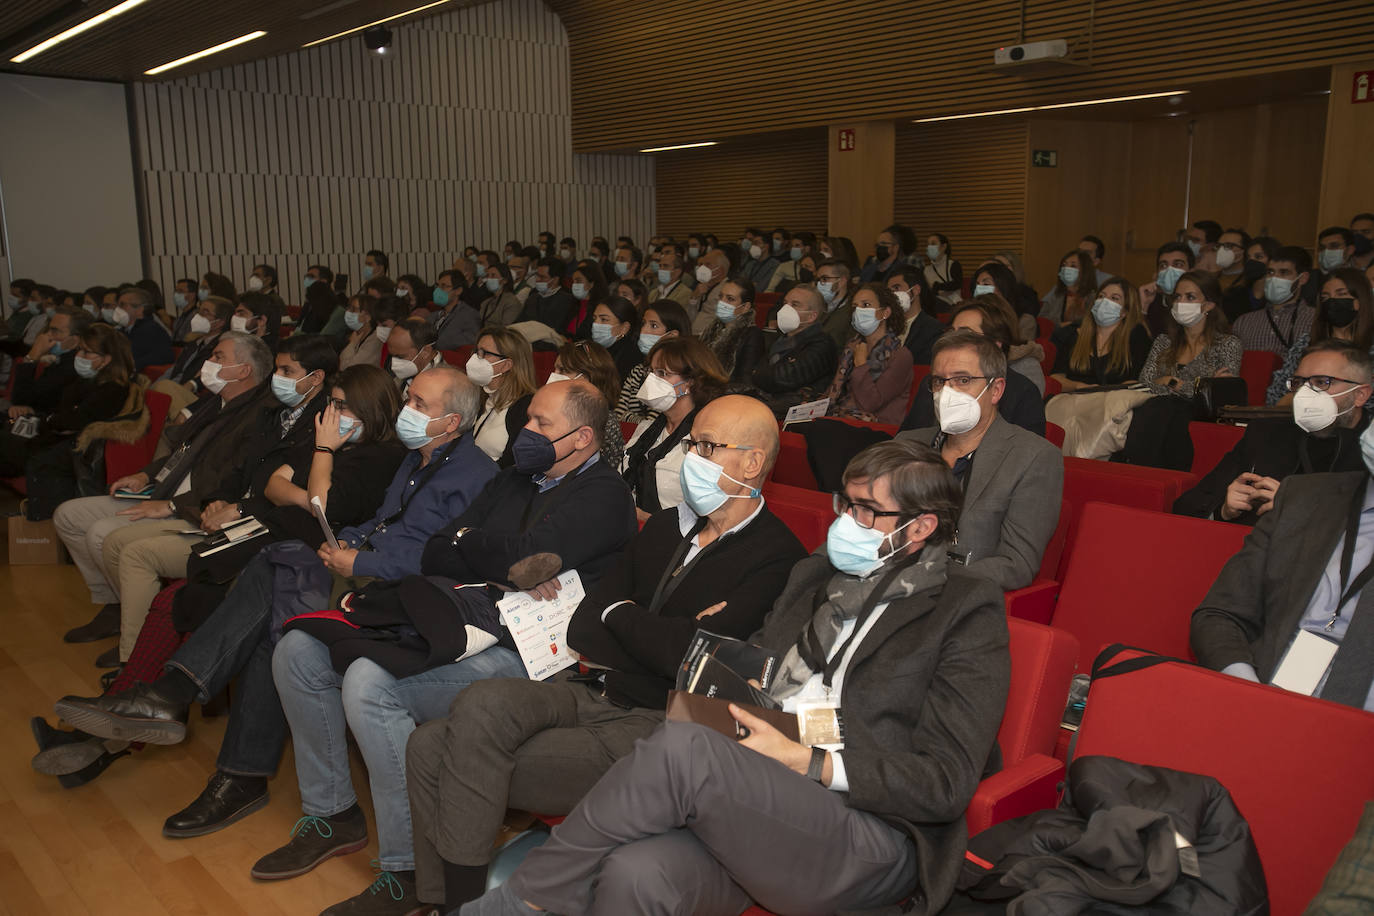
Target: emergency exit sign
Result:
[1045, 158]
[1362, 90]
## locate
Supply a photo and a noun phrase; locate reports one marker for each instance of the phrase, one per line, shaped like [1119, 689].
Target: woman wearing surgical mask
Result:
[873, 380]
[839, 248]
[943, 273]
[413, 291]
[801, 245]
[615, 327]
[685, 376]
[663, 320]
[501, 306]
[733, 334]
[996, 277]
[588, 288]
[586, 360]
[103, 390]
[1074, 289]
[364, 318]
[1196, 343]
[636, 292]
[91, 299]
[1344, 312]
[502, 365]
[1111, 344]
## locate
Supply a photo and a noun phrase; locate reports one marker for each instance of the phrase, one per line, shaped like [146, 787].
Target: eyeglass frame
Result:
[939, 381]
[1297, 381]
[689, 445]
[838, 499]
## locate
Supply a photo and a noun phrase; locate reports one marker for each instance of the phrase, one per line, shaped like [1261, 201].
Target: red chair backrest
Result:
[1257, 367]
[763, 304]
[1054, 432]
[627, 429]
[792, 468]
[1052, 387]
[153, 373]
[1046, 327]
[1211, 442]
[1298, 768]
[1135, 576]
[543, 365]
[1120, 484]
[807, 513]
[1053, 557]
[124, 458]
[1047, 361]
[1042, 663]
[458, 357]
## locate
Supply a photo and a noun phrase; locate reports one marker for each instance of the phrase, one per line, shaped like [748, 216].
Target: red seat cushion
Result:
[1211, 442]
[1257, 367]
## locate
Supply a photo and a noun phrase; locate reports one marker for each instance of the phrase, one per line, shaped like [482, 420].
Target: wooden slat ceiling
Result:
[689, 70]
[163, 30]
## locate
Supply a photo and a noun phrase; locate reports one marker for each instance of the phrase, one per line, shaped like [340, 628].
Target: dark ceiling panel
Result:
[163, 30]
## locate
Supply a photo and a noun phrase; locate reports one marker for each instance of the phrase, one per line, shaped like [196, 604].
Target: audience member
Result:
[711, 271]
[550, 304]
[502, 365]
[1096, 250]
[588, 289]
[732, 333]
[1331, 388]
[802, 358]
[1172, 261]
[802, 245]
[891, 250]
[456, 322]
[55, 352]
[943, 274]
[1202, 238]
[1335, 248]
[919, 306]
[900, 777]
[663, 321]
[209, 320]
[375, 265]
[873, 380]
[833, 283]
[589, 360]
[1278, 327]
[1111, 344]
[1074, 290]
[759, 264]
[411, 350]
[500, 305]
[1026, 300]
[1012, 479]
[726, 558]
[148, 337]
[1362, 227]
[258, 314]
[321, 313]
[615, 326]
[184, 309]
[684, 377]
[1345, 311]
[669, 280]
[369, 322]
[996, 277]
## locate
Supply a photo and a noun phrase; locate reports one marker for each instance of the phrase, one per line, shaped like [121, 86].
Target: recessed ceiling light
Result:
[223, 46]
[1004, 111]
[664, 149]
[418, 9]
[77, 30]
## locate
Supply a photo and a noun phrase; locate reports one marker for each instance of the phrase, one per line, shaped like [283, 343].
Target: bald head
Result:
[740, 420]
[804, 297]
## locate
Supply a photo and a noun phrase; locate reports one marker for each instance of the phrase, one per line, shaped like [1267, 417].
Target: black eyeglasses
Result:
[486, 353]
[706, 448]
[1317, 382]
[864, 516]
[959, 381]
[338, 403]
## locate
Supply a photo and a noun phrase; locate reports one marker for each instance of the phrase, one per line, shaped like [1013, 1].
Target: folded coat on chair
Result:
[1095, 422]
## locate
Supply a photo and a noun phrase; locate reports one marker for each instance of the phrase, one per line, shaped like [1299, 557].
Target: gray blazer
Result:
[1254, 607]
[458, 326]
[922, 702]
[1011, 502]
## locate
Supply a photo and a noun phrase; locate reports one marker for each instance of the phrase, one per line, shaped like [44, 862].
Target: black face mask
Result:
[1363, 245]
[1254, 270]
[1340, 313]
[807, 276]
[881, 251]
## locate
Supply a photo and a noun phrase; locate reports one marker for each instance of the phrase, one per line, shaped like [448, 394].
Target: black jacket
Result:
[1097, 372]
[1021, 405]
[1110, 847]
[807, 360]
[555, 311]
[925, 330]
[586, 520]
[150, 341]
[191, 358]
[1275, 448]
[265, 449]
[43, 392]
[642, 646]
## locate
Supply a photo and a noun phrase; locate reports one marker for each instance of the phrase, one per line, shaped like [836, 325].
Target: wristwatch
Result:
[817, 766]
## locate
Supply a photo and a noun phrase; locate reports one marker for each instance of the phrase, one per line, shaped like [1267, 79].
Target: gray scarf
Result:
[846, 595]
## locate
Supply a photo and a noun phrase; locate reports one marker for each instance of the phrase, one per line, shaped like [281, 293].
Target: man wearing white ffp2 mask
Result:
[1013, 480]
[803, 357]
[1330, 390]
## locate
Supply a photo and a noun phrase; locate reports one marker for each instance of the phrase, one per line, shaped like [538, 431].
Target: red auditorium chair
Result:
[1047, 362]
[763, 304]
[153, 373]
[1120, 484]
[1046, 328]
[1211, 442]
[1134, 576]
[806, 512]
[459, 357]
[1298, 768]
[1257, 367]
[792, 468]
[543, 365]
[1052, 387]
[918, 375]
[124, 458]
[1036, 601]
[1054, 432]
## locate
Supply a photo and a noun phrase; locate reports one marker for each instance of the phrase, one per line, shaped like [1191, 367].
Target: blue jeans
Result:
[382, 710]
[234, 641]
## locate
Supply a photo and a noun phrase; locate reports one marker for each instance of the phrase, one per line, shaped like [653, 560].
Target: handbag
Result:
[1211, 394]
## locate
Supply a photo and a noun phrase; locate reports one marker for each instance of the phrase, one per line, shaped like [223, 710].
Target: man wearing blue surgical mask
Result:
[668, 280]
[1172, 260]
[550, 303]
[1335, 248]
[55, 350]
[1202, 238]
[456, 322]
[1285, 317]
[833, 282]
[627, 263]
[759, 264]
[734, 558]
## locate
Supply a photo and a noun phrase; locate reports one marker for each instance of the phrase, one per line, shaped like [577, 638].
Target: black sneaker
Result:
[313, 840]
[392, 894]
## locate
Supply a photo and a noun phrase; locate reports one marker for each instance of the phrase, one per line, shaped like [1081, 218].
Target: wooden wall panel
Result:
[777, 64]
[966, 180]
[762, 181]
[1348, 181]
[462, 137]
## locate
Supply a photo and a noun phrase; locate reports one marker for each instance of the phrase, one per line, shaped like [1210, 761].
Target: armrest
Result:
[1031, 785]
[1035, 602]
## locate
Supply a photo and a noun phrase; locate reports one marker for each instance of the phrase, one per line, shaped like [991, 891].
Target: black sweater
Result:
[796, 362]
[354, 496]
[747, 570]
[43, 392]
[586, 520]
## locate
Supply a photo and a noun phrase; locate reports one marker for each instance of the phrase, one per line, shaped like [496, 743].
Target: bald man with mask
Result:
[540, 746]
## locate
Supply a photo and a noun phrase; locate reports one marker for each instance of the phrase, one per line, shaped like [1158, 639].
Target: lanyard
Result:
[1352, 530]
[1286, 341]
[435, 461]
[809, 646]
[671, 577]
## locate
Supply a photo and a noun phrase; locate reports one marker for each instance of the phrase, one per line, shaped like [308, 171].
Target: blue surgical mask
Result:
[647, 341]
[694, 252]
[309, 280]
[1107, 312]
[354, 320]
[579, 290]
[865, 321]
[700, 479]
[1068, 275]
[1277, 290]
[932, 251]
[493, 284]
[1331, 258]
[664, 277]
[853, 549]
[1195, 247]
[827, 291]
[285, 390]
[367, 272]
[83, 367]
[350, 427]
[57, 349]
[541, 287]
[440, 296]
[1167, 278]
[796, 253]
[202, 294]
[984, 289]
[622, 268]
[412, 427]
[603, 334]
[180, 299]
[724, 310]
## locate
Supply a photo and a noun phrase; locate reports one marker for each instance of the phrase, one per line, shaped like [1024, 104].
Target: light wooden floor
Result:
[99, 849]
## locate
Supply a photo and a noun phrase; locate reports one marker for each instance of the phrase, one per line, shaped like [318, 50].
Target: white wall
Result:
[461, 136]
[66, 179]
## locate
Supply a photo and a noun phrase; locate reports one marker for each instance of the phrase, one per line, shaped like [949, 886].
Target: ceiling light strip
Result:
[77, 29]
[664, 149]
[418, 9]
[223, 46]
[1006, 111]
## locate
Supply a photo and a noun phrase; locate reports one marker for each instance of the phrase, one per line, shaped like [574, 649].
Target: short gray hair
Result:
[992, 361]
[250, 349]
[461, 396]
[145, 298]
[919, 480]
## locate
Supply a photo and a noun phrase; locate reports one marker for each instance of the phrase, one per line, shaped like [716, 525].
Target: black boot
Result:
[225, 799]
[141, 713]
[103, 625]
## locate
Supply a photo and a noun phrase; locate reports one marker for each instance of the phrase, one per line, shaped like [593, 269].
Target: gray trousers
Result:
[692, 823]
[507, 743]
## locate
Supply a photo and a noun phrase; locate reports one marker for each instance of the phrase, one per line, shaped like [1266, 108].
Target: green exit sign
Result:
[1045, 158]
